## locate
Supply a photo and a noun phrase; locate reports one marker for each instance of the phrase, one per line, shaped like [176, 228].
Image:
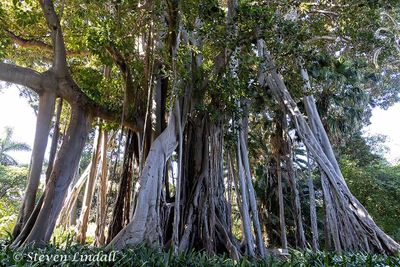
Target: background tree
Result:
[7, 145]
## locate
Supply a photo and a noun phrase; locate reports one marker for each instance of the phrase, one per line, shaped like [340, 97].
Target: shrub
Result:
[144, 256]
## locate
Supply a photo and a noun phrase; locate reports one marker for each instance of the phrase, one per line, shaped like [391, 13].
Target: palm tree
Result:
[8, 145]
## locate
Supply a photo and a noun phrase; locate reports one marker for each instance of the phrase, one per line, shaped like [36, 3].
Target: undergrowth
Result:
[77, 255]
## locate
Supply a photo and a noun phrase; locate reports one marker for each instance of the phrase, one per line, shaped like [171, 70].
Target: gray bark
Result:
[102, 194]
[319, 131]
[55, 139]
[89, 190]
[143, 225]
[43, 122]
[62, 174]
[248, 235]
[352, 209]
[300, 238]
[330, 214]
[23, 76]
[177, 211]
[72, 196]
[252, 196]
[313, 209]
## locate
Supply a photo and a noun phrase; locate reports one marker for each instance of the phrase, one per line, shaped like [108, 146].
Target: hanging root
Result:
[354, 215]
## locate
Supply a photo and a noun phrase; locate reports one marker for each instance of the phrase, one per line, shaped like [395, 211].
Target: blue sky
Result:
[16, 113]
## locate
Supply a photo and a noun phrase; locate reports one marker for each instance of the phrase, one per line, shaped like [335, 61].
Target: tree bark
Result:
[281, 205]
[43, 122]
[296, 205]
[300, 238]
[365, 227]
[330, 214]
[143, 225]
[90, 186]
[160, 98]
[313, 209]
[55, 139]
[70, 202]
[122, 203]
[252, 196]
[205, 221]
[102, 194]
[25, 77]
[320, 133]
[249, 239]
[62, 174]
[177, 210]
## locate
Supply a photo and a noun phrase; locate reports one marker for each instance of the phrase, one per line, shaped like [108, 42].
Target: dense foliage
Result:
[143, 256]
[12, 180]
[374, 181]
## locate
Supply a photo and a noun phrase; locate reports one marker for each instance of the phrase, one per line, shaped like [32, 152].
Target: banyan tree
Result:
[212, 120]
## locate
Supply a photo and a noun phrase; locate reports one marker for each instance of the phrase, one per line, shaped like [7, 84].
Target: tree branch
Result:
[31, 43]
[28, 42]
[329, 38]
[324, 12]
[117, 56]
[22, 76]
[133, 122]
[129, 97]
[53, 22]
[68, 90]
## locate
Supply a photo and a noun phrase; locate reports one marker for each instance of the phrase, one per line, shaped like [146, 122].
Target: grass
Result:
[78, 255]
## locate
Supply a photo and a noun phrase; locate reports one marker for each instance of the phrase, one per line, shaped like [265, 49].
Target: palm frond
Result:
[7, 160]
[8, 145]
[15, 146]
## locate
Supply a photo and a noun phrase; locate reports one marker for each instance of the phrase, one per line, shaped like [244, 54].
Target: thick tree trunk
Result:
[331, 219]
[55, 139]
[204, 217]
[206, 223]
[62, 174]
[102, 194]
[366, 231]
[89, 191]
[43, 122]
[143, 226]
[54, 143]
[320, 133]
[336, 229]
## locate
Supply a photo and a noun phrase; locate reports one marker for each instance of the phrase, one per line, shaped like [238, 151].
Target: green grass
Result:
[74, 255]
